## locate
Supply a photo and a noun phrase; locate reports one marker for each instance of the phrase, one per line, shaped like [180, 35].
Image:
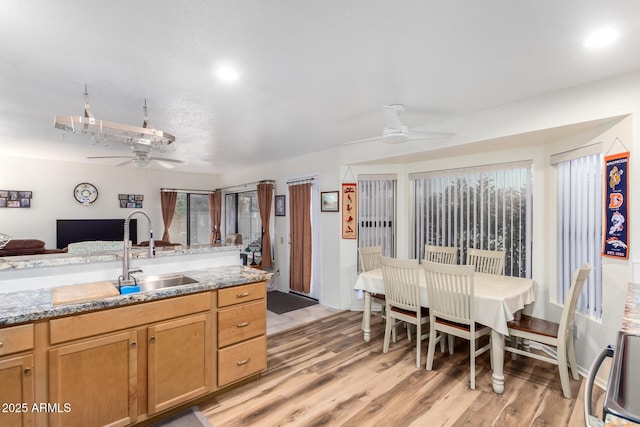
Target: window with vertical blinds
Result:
[484, 207]
[580, 192]
[377, 212]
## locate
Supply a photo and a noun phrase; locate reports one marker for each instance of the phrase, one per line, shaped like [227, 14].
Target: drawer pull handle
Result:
[153, 339]
[27, 371]
[1, 343]
[133, 344]
[242, 325]
[242, 295]
[243, 362]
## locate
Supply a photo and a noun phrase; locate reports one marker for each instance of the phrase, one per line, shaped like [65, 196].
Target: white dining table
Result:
[497, 298]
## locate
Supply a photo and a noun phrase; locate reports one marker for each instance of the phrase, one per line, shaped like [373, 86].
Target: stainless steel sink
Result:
[149, 283]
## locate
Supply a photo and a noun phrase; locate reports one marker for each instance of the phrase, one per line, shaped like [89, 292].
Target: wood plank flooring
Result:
[324, 374]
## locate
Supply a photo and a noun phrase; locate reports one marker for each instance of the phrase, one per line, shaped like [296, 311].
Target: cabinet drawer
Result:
[15, 339]
[241, 293]
[241, 322]
[241, 360]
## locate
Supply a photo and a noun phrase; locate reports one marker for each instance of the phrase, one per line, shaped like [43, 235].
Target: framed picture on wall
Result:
[281, 205]
[329, 201]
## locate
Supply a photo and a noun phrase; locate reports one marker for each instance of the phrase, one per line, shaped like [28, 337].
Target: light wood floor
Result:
[324, 374]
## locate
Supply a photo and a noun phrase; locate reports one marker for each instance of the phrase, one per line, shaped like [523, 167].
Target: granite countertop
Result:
[57, 259]
[32, 305]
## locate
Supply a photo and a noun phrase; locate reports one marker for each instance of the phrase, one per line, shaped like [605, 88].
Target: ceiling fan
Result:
[141, 157]
[395, 131]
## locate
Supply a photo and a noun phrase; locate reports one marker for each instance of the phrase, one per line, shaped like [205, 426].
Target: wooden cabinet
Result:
[180, 361]
[242, 327]
[162, 358]
[16, 376]
[94, 382]
[16, 391]
[124, 365]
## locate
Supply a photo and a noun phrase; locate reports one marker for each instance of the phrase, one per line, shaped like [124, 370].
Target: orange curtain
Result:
[300, 259]
[265, 196]
[168, 201]
[215, 215]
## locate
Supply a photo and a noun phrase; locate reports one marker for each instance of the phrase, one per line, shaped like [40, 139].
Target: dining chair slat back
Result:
[441, 254]
[370, 260]
[452, 309]
[370, 257]
[485, 261]
[401, 279]
[559, 335]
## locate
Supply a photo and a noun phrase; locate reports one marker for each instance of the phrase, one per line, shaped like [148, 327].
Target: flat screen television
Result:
[82, 230]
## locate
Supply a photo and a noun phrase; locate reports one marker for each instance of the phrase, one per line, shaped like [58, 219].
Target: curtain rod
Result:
[294, 181]
[264, 181]
[182, 190]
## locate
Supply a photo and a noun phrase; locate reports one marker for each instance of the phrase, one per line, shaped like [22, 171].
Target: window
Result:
[377, 212]
[486, 207]
[243, 216]
[191, 224]
[580, 228]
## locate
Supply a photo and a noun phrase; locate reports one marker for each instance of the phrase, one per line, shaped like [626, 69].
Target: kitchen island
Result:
[128, 358]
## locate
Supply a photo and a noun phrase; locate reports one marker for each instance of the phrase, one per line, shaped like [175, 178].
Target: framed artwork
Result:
[329, 201]
[15, 199]
[281, 205]
[130, 200]
[349, 210]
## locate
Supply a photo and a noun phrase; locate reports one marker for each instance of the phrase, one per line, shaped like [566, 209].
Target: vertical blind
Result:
[580, 190]
[484, 207]
[377, 212]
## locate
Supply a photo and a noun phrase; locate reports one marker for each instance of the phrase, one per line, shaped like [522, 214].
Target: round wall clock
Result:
[85, 193]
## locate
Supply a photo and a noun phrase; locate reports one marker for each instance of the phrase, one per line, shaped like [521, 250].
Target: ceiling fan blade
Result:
[358, 141]
[109, 157]
[164, 164]
[164, 159]
[125, 163]
[429, 134]
[392, 115]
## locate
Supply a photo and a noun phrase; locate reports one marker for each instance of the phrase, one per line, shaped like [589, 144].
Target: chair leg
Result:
[442, 344]
[514, 344]
[564, 373]
[572, 359]
[472, 355]
[432, 346]
[387, 333]
[452, 343]
[418, 342]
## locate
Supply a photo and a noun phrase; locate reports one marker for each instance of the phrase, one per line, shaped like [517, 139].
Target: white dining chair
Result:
[484, 261]
[441, 254]
[452, 310]
[401, 279]
[370, 260]
[559, 335]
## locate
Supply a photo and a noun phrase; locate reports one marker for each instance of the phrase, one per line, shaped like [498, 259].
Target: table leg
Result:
[366, 317]
[497, 347]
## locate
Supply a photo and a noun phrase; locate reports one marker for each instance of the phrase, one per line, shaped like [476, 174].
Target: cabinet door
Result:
[94, 383]
[180, 361]
[16, 391]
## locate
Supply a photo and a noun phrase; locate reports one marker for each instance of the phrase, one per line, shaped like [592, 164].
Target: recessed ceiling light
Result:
[227, 74]
[601, 38]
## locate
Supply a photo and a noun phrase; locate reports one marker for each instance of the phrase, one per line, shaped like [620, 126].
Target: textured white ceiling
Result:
[313, 74]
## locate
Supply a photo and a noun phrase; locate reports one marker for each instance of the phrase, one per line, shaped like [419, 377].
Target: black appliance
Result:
[622, 399]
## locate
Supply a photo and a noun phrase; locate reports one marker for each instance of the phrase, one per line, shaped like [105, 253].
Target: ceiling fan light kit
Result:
[103, 129]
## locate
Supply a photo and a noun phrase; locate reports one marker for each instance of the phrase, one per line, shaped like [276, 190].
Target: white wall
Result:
[52, 184]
